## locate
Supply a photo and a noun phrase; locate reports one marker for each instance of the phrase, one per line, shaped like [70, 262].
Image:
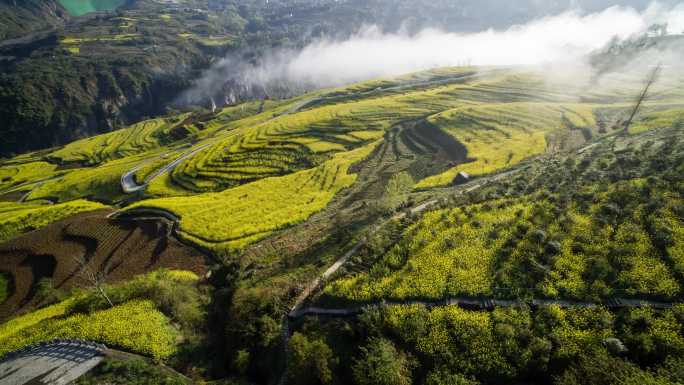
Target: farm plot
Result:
[136, 326]
[18, 218]
[233, 218]
[121, 249]
[500, 135]
[447, 253]
[138, 138]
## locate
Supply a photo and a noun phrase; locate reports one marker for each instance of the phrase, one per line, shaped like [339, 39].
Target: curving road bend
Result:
[129, 185]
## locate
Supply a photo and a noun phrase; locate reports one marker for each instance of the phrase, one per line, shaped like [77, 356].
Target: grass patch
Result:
[139, 322]
[136, 326]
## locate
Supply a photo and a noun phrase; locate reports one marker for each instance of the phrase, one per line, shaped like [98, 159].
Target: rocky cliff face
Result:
[41, 110]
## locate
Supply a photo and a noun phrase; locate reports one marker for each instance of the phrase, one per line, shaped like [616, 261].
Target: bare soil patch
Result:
[123, 248]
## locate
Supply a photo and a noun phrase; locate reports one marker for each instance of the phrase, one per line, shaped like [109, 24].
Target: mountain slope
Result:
[20, 17]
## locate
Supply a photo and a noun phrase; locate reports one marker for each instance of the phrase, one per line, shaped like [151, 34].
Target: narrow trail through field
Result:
[484, 303]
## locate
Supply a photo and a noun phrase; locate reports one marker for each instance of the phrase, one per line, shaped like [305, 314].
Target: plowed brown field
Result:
[122, 248]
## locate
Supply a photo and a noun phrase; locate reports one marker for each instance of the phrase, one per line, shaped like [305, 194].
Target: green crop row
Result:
[501, 135]
[238, 216]
[138, 138]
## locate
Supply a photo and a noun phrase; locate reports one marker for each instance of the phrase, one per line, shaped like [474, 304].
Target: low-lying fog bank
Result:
[562, 44]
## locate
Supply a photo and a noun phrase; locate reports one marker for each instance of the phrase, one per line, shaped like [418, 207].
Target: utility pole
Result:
[649, 82]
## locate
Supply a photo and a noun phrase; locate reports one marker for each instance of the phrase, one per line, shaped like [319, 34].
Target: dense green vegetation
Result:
[412, 344]
[18, 18]
[130, 372]
[139, 320]
[100, 73]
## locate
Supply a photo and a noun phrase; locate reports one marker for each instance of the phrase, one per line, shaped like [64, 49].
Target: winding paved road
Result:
[128, 184]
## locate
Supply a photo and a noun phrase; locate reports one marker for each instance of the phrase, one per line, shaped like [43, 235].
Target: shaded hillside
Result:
[98, 73]
[103, 71]
[20, 17]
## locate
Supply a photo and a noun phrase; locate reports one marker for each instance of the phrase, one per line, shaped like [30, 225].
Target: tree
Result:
[96, 279]
[241, 361]
[602, 369]
[311, 360]
[381, 363]
[443, 376]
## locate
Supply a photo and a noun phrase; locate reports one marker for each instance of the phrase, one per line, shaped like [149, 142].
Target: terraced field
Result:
[117, 249]
[346, 197]
[497, 136]
[244, 159]
[576, 240]
[138, 138]
[236, 217]
[16, 219]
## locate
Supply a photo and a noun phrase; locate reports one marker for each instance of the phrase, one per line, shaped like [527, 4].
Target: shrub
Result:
[381, 363]
[174, 293]
[442, 376]
[241, 361]
[312, 361]
[130, 372]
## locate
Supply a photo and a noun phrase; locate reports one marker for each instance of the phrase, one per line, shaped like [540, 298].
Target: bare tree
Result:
[96, 279]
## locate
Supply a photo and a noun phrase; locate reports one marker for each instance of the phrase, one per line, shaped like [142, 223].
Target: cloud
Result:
[371, 53]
